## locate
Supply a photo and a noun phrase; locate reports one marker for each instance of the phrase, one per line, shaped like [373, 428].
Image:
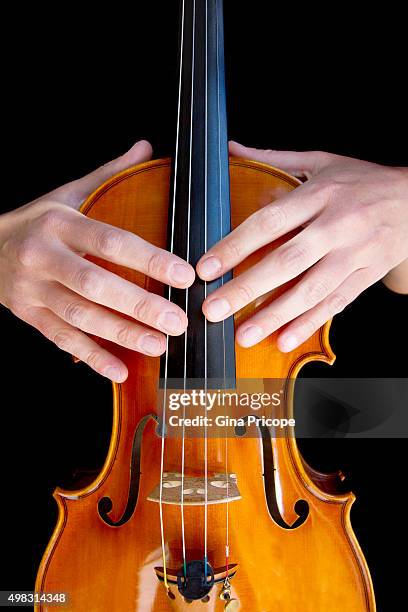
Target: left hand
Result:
[354, 220]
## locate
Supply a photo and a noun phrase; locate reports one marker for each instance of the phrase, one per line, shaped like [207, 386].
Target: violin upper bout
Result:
[253, 186]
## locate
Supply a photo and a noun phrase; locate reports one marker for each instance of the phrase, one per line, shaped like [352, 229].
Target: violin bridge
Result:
[221, 488]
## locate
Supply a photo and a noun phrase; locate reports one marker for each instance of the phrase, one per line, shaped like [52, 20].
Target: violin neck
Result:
[199, 211]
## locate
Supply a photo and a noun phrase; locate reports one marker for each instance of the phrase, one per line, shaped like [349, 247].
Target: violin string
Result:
[205, 296]
[163, 546]
[222, 283]
[186, 304]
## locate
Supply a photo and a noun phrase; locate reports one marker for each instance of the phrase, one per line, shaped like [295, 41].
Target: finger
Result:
[103, 287]
[77, 344]
[75, 192]
[261, 228]
[124, 248]
[297, 163]
[316, 285]
[277, 268]
[99, 321]
[308, 323]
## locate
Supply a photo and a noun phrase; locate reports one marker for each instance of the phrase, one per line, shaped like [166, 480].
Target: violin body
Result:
[314, 567]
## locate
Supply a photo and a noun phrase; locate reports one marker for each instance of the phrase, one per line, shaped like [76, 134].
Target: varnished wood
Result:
[317, 567]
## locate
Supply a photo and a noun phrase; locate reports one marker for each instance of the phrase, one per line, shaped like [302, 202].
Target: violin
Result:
[181, 522]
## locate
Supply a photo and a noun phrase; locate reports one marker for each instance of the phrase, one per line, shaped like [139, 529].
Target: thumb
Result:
[74, 193]
[300, 164]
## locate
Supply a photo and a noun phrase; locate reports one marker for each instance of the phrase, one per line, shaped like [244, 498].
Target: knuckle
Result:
[315, 293]
[125, 335]
[244, 292]
[308, 327]
[232, 249]
[17, 307]
[93, 359]
[74, 313]
[157, 264]
[90, 282]
[272, 218]
[336, 303]
[51, 219]
[27, 251]
[326, 188]
[274, 320]
[142, 308]
[62, 339]
[108, 242]
[293, 257]
[321, 156]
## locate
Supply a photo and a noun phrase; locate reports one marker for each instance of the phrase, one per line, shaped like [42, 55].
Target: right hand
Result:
[46, 281]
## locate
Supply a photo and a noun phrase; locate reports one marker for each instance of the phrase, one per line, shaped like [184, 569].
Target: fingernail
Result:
[210, 266]
[115, 374]
[288, 342]
[151, 345]
[250, 336]
[218, 308]
[180, 273]
[170, 322]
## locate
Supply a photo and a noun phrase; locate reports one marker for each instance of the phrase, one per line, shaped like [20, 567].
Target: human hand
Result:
[46, 281]
[353, 221]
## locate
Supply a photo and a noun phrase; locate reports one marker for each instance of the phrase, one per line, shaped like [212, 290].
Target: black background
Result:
[79, 90]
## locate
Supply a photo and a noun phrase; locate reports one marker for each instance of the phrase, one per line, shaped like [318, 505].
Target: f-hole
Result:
[301, 506]
[105, 504]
